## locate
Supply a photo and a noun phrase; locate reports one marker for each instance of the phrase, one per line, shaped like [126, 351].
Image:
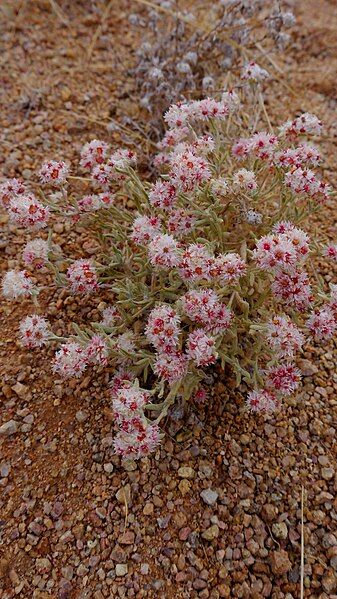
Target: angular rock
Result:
[186, 472]
[211, 533]
[82, 416]
[280, 530]
[121, 569]
[327, 473]
[209, 496]
[9, 428]
[329, 582]
[280, 562]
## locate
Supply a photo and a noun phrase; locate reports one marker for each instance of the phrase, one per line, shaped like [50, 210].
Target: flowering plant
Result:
[184, 50]
[207, 263]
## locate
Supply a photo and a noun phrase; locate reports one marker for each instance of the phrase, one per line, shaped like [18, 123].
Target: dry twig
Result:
[99, 29]
[302, 544]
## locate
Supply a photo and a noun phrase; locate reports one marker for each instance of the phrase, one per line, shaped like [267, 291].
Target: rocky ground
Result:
[217, 511]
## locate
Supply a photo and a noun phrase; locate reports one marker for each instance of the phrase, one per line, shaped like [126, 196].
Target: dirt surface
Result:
[74, 522]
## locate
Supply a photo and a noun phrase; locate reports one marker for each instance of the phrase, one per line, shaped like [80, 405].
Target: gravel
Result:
[216, 512]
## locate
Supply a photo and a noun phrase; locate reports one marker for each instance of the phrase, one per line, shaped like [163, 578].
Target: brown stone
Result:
[280, 562]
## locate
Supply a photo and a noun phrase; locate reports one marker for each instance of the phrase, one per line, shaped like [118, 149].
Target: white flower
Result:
[17, 284]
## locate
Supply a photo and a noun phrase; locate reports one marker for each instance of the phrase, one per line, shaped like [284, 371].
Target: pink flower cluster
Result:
[35, 253]
[97, 351]
[180, 222]
[244, 179]
[70, 360]
[144, 228]
[203, 307]
[82, 276]
[188, 171]
[163, 195]
[201, 348]
[163, 252]
[170, 367]
[180, 115]
[322, 323]
[305, 124]
[111, 316]
[261, 401]
[11, 189]
[283, 250]
[26, 211]
[91, 203]
[163, 329]
[105, 169]
[283, 379]
[283, 254]
[53, 172]
[34, 331]
[17, 284]
[93, 153]
[295, 157]
[198, 264]
[331, 251]
[136, 437]
[253, 72]
[305, 182]
[262, 145]
[284, 337]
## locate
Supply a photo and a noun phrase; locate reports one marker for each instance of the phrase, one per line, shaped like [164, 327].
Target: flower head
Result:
[144, 440]
[82, 276]
[305, 124]
[170, 367]
[10, 189]
[284, 337]
[129, 401]
[200, 348]
[17, 284]
[93, 153]
[163, 195]
[322, 323]
[121, 378]
[293, 289]
[261, 401]
[97, 350]
[163, 329]
[180, 222]
[283, 379]
[244, 179]
[253, 72]
[188, 171]
[228, 268]
[196, 263]
[163, 252]
[53, 172]
[111, 316]
[204, 308]
[70, 360]
[144, 228]
[34, 331]
[35, 253]
[331, 251]
[305, 182]
[26, 211]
